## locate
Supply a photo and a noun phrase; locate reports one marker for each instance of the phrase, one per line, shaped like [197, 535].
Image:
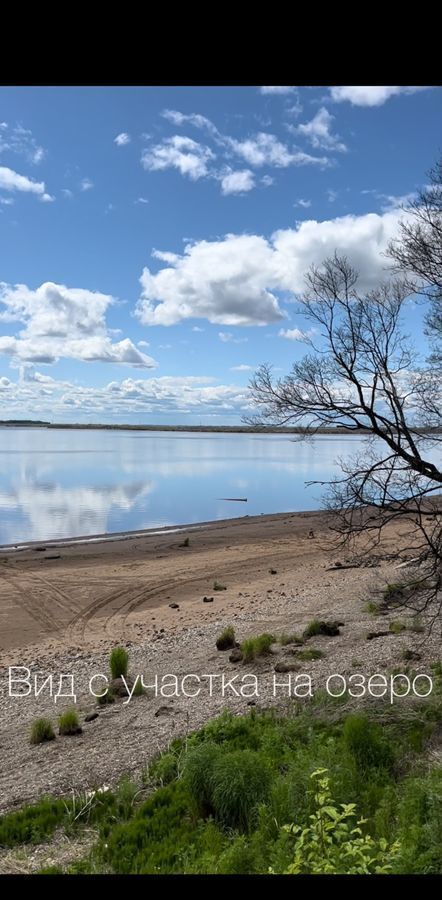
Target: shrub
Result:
[198, 776]
[164, 769]
[240, 780]
[217, 586]
[138, 689]
[68, 722]
[307, 655]
[393, 593]
[32, 824]
[42, 731]
[366, 743]
[226, 640]
[119, 661]
[258, 646]
[334, 845]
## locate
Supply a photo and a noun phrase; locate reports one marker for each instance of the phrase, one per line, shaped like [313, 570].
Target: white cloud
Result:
[143, 344]
[63, 322]
[195, 119]
[363, 95]
[128, 398]
[331, 195]
[267, 180]
[222, 281]
[277, 90]
[393, 201]
[227, 338]
[237, 182]
[67, 193]
[197, 329]
[242, 368]
[21, 141]
[122, 139]
[295, 334]
[141, 200]
[304, 203]
[233, 281]
[12, 181]
[86, 184]
[182, 153]
[265, 149]
[47, 198]
[318, 132]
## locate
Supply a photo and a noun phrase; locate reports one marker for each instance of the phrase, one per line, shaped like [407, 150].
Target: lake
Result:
[66, 483]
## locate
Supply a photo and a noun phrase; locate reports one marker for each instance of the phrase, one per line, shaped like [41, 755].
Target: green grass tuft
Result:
[41, 731]
[119, 662]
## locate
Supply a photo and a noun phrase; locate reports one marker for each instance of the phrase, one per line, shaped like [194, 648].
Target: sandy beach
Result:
[64, 606]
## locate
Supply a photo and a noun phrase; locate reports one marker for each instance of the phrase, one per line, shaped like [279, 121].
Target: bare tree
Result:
[362, 375]
[417, 251]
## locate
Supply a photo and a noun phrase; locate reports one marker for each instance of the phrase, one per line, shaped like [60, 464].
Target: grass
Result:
[217, 586]
[138, 689]
[217, 798]
[68, 723]
[397, 627]
[119, 662]
[285, 639]
[108, 697]
[226, 640]
[252, 648]
[311, 654]
[41, 731]
[372, 608]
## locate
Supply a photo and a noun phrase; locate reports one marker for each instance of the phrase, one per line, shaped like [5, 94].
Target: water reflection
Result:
[65, 483]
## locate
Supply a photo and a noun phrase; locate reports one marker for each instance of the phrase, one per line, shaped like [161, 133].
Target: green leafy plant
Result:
[333, 842]
[42, 731]
[119, 662]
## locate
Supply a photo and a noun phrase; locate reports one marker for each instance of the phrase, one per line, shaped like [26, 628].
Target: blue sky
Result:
[153, 240]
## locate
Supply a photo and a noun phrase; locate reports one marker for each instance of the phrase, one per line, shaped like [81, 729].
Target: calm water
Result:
[57, 484]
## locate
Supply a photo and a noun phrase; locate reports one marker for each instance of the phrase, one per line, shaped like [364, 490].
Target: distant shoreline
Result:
[221, 429]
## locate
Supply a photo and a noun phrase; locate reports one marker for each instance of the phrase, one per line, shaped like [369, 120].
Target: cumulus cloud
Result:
[234, 281]
[304, 203]
[63, 322]
[182, 153]
[363, 95]
[195, 119]
[129, 397]
[237, 182]
[279, 89]
[319, 132]
[86, 184]
[122, 139]
[12, 181]
[222, 281]
[242, 368]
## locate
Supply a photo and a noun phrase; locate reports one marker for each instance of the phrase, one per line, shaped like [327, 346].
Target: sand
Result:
[64, 607]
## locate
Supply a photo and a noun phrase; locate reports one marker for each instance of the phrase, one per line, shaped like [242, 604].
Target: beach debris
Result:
[207, 599]
[311, 533]
[53, 556]
[236, 655]
[39, 549]
[273, 572]
[174, 605]
[91, 717]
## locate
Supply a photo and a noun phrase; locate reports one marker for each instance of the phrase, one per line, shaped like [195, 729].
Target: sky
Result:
[153, 240]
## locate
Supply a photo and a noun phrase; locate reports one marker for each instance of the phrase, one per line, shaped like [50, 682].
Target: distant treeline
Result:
[241, 429]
